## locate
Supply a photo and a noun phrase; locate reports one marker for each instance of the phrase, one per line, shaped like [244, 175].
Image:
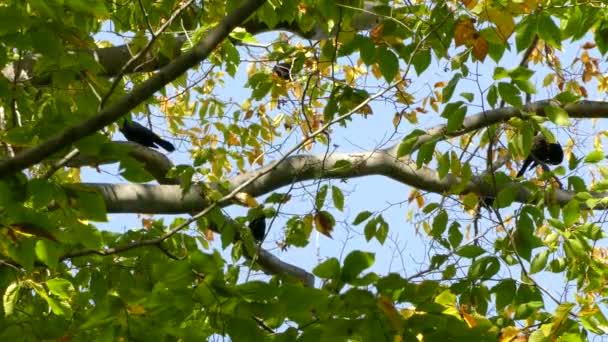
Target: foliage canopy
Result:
[457, 78]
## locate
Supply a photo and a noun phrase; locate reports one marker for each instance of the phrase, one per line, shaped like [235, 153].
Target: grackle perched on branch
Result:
[283, 70]
[258, 228]
[542, 152]
[137, 133]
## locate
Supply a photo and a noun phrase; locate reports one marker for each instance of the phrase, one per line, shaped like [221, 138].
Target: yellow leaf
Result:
[455, 166]
[308, 145]
[470, 200]
[366, 110]
[434, 105]
[503, 20]
[147, 223]
[411, 117]
[469, 4]
[508, 334]
[233, 140]
[376, 71]
[480, 48]
[405, 98]
[471, 322]
[278, 119]
[251, 69]
[376, 33]
[464, 31]
[137, 310]
[427, 227]
[597, 143]
[389, 310]
[548, 79]
[324, 223]
[349, 75]
[396, 119]
[246, 199]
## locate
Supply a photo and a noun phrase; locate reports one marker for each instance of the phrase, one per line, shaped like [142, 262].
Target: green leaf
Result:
[444, 165]
[60, 287]
[446, 298]
[91, 144]
[575, 248]
[448, 91]
[456, 119]
[496, 51]
[342, 166]
[454, 235]
[505, 293]
[370, 230]
[484, 268]
[521, 73]
[449, 272]
[548, 31]
[48, 252]
[571, 212]
[134, 171]
[328, 269]
[367, 49]
[440, 223]
[381, 229]
[425, 153]
[91, 205]
[355, 263]
[11, 295]
[510, 94]
[320, 198]
[362, 216]
[23, 253]
[524, 33]
[557, 115]
[539, 262]
[228, 232]
[470, 251]
[601, 39]
[468, 96]
[389, 64]
[59, 307]
[557, 265]
[524, 238]
[506, 196]
[492, 96]
[407, 144]
[337, 197]
[594, 157]
[268, 15]
[567, 97]
[257, 290]
[243, 329]
[421, 61]
[500, 73]
[526, 86]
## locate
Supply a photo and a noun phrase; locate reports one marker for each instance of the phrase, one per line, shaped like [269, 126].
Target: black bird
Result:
[542, 152]
[137, 133]
[283, 70]
[258, 228]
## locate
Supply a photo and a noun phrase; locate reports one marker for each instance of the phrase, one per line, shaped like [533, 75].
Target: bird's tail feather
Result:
[524, 167]
[165, 144]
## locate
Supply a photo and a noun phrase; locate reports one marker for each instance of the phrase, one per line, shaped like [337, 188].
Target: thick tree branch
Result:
[138, 95]
[155, 162]
[169, 199]
[582, 109]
